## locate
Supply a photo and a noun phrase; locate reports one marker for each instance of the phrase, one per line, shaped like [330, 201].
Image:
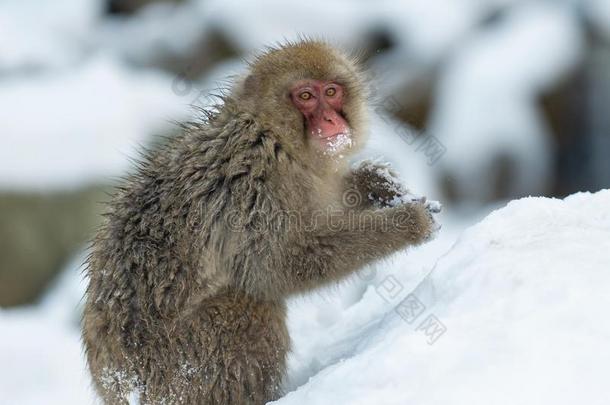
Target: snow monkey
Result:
[214, 229]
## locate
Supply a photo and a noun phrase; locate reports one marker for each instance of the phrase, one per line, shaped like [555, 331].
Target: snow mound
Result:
[513, 313]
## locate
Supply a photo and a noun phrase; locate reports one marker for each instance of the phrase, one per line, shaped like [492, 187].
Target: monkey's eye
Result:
[331, 91]
[305, 95]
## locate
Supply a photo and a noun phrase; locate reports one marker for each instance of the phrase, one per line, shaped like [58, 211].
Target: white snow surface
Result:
[513, 312]
[521, 298]
[44, 34]
[41, 358]
[78, 126]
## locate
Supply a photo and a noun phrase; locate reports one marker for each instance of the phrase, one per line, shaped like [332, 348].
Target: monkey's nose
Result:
[329, 123]
[329, 117]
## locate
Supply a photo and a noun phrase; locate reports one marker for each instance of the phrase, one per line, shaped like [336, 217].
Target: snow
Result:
[271, 21]
[51, 40]
[394, 143]
[42, 361]
[65, 129]
[511, 311]
[67, 63]
[336, 145]
[598, 11]
[391, 181]
[41, 357]
[487, 99]
[514, 307]
[414, 25]
[158, 31]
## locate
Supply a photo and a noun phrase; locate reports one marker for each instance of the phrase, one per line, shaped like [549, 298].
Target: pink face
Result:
[321, 103]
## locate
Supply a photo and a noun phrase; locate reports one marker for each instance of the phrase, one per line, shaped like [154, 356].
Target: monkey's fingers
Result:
[434, 206]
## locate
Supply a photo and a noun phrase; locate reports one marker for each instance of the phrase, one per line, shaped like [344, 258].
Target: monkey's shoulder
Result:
[200, 175]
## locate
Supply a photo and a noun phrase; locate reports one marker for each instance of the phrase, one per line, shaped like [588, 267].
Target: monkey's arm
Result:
[335, 246]
[332, 252]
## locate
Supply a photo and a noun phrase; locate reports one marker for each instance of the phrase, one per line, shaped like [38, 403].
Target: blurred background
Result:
[476, 102]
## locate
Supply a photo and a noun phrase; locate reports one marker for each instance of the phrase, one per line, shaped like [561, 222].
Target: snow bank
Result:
[41, 361]
[515, 312]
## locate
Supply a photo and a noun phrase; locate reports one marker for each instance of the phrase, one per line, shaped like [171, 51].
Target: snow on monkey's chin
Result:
[336, 145]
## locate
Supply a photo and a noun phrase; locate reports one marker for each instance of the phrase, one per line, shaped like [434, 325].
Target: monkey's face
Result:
[312, 97]
[321, 103]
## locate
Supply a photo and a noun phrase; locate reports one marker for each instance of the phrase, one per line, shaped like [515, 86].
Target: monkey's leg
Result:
[114, 367]
[112, 382]
[234, 348]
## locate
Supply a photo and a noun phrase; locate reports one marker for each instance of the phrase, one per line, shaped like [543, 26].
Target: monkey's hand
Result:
[343, 242]
[373, 184]
[416, 218]
[432, 207]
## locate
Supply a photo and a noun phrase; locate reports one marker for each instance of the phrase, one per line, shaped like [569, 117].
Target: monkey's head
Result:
[313, 95]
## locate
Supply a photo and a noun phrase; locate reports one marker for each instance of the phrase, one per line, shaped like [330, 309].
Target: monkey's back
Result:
[162, 317]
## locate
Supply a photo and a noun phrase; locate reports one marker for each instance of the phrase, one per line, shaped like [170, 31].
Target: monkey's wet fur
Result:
[189, 274]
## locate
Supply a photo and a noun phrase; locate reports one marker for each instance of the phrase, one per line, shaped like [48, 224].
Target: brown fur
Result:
[187, 279]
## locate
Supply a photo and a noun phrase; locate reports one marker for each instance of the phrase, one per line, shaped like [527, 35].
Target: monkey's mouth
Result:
[337, 143]
[329, 136]
[332, 139]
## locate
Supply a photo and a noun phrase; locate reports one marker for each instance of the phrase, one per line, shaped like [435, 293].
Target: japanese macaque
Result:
[188, 276]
